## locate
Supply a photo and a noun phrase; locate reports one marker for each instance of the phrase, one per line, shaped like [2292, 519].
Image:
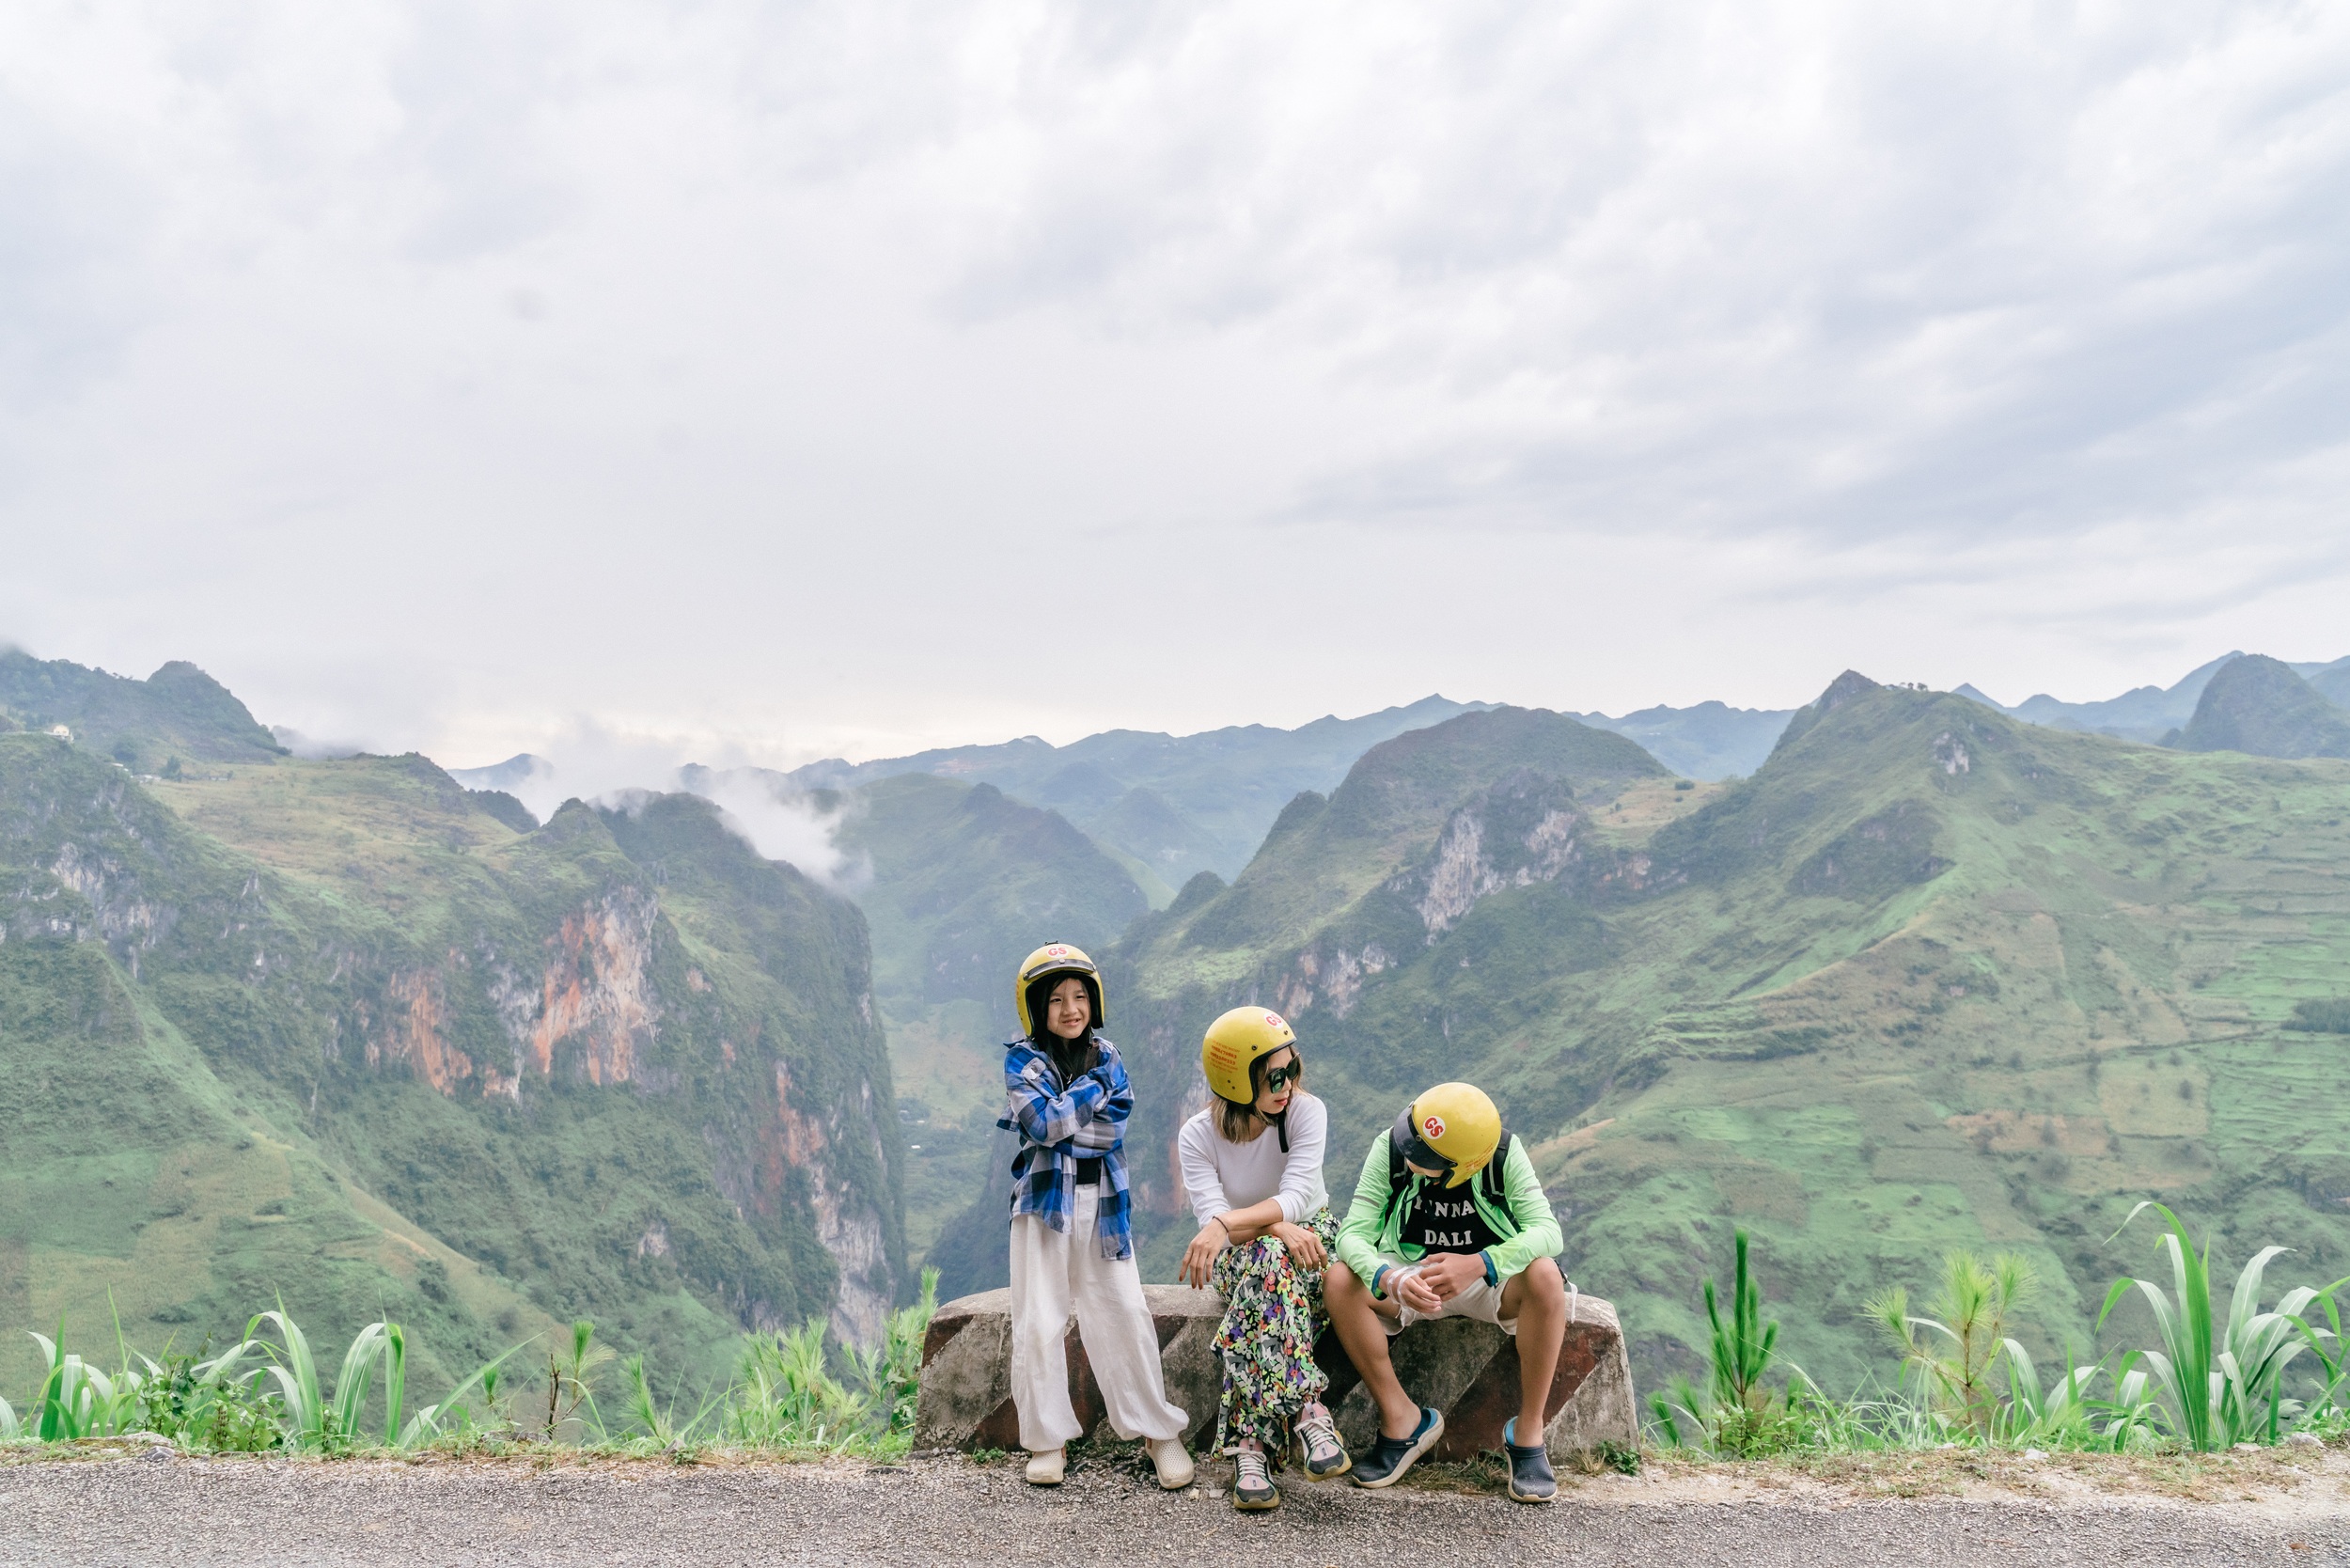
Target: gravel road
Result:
[192, 1513]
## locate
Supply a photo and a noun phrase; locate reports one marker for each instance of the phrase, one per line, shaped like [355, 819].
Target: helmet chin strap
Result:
[1278, 1120]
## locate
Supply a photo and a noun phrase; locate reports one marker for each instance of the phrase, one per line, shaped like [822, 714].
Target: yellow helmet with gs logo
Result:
[1232, 1046]
[1453, 1128]
[1052, 960]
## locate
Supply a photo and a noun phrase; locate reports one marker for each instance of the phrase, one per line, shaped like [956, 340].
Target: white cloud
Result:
[795, 376]
[592, 761]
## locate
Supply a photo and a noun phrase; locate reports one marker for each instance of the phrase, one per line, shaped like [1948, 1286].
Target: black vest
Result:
[1445, 1220]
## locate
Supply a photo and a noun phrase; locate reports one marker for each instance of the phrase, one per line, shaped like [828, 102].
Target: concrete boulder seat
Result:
[1467, 1369]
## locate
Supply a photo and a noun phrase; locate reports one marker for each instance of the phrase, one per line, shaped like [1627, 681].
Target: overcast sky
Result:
[777, 380]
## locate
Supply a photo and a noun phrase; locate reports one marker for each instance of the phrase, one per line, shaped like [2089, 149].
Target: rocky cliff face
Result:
[621, 1060]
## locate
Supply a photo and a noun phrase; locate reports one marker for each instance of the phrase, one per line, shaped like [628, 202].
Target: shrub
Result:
[1737, 1415]
[2328, 1016]
[1956, 1349]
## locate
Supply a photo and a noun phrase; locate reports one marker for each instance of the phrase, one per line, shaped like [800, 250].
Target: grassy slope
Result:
[1932, 977]
[177, 713]
[339, 974]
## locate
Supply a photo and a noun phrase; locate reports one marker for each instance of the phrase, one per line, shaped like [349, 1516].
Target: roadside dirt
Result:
[117, 1504]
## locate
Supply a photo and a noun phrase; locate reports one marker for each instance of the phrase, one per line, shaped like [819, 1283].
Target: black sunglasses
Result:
[1279, 1078]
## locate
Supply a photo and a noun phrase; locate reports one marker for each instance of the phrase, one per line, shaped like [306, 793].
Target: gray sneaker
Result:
[1252, 1489]
[1320, 1453]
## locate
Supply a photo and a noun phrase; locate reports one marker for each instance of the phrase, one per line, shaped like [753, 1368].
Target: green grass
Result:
[790, 1392]
[2217, 1376]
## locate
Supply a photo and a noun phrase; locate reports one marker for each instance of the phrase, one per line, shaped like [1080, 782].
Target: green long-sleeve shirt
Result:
[1530, 1229]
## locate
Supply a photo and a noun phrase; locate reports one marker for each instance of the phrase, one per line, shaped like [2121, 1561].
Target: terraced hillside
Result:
[1933, 976]
[338, 1030]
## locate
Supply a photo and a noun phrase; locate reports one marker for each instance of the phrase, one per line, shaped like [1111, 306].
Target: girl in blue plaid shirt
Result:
[1072, 1226]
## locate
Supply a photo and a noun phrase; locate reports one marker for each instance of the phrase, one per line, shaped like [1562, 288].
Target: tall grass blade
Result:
[395, 1380]
[351, 1383]
[297, 1377]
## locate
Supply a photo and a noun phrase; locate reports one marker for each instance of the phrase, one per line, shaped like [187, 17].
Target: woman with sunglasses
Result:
[1252, 1167]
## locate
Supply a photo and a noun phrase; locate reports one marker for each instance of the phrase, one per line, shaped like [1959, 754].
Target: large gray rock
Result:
[967, 1368]
[1467, 1369]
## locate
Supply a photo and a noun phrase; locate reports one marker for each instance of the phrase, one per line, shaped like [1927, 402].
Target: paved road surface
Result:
[193, 1514]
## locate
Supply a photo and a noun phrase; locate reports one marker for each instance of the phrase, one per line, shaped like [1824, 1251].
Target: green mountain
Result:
[1166, 805]
[2332, 681]
[1931, 978]
[2259, 705]
[336, 1030]
[177, 714]
[2142, 713]
[1710, 741]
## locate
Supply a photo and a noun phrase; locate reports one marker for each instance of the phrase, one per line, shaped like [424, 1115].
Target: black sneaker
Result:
[1530, 1479]
[1390, 1457]
[1252, 1489]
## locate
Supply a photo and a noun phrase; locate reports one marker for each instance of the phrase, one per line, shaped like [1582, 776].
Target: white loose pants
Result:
[1051, 1271]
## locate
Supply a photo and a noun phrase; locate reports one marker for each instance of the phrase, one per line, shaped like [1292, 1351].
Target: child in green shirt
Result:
[1450, 1220]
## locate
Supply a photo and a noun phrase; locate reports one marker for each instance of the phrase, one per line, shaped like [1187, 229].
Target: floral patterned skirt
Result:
[1273, 1314]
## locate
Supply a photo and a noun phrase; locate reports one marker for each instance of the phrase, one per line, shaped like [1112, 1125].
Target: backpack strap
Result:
[1399, 1177]
[1492, 1182]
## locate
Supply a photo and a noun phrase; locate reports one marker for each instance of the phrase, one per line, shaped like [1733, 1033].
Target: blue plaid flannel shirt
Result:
[1059, 1125]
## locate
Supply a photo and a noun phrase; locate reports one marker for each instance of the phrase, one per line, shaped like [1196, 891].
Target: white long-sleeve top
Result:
[1220, 1177]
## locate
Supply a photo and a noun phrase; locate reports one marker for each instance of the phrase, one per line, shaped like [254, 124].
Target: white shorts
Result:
[1480, 1301]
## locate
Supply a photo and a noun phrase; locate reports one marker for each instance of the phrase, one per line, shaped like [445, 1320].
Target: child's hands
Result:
[1447, 1274]
[1408, 1287]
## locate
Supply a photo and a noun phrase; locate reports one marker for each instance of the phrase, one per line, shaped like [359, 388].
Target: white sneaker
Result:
[1174, 1464]
[1045, 1469]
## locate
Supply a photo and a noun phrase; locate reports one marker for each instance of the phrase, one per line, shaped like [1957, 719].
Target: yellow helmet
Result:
[1453, 1128]
[1233, 1043]
[1056, 958]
